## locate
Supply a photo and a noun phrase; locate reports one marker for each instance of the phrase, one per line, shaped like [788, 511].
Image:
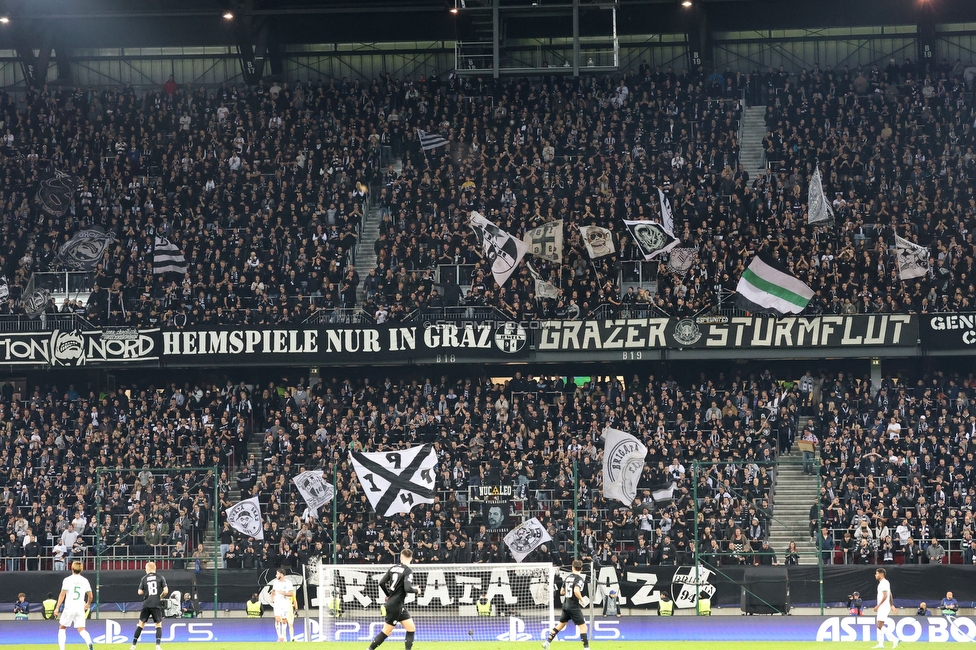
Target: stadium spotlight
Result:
[686, 4]
[454, 10]
[4, 20]
[228, 16]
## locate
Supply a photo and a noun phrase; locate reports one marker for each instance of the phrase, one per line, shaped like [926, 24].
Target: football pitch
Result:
[520, 645]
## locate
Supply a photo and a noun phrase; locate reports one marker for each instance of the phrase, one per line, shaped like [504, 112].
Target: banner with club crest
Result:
[524, 539]
[85, 249]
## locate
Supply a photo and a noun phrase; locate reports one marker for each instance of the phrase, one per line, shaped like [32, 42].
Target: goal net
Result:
[459, 602]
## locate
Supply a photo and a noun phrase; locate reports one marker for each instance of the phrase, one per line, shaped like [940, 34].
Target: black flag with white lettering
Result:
[396, 481]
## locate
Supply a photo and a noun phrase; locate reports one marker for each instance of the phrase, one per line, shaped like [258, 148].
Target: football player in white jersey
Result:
[76, 596]
[884, 608]
[283, 604]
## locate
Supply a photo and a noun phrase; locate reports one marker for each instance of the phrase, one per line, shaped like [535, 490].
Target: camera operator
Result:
[854, 604]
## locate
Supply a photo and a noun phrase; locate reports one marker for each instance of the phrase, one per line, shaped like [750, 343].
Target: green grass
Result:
[522, 645]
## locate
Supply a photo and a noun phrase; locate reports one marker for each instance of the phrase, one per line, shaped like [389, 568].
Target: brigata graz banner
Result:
[721, 332]
[948, 331]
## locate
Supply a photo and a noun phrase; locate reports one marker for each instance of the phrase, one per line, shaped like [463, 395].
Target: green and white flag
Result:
[767, 287]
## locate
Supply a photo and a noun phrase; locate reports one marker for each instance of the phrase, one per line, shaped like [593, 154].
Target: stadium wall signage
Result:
[736, 332]
[836, 629]
[472, 342]
[948, 331]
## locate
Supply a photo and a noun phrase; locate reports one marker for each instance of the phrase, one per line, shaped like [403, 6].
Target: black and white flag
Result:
[430, 141]
[245, 517]
[36, 302]
[653, 237]
[524, 539]
[396, 481]
[543, 288]
[167, 257]
[546, 241]
[85, 250]
[598, 241]
[681, 260]
[667, 215]
[818, 207]
[623, 464]
[502, 250]
[55, 194]
[314, 489]
[913, 260]
[4, 289]
[663, 494]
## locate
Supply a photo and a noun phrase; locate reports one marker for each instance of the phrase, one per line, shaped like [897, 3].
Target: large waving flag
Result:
[396, 481]
[653, 237]
[430, 141]
[598, 241]
[525, 538]
[546, 241]
[502, 251]
[623, 464]
[167, 257]
[245, 517]
[913, 260]
[818, 208]
[766, 287]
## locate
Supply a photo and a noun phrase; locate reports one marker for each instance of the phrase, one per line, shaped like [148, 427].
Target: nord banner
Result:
[720, 332]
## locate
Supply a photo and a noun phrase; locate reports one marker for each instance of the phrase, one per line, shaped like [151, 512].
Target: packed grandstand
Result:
[265, 188]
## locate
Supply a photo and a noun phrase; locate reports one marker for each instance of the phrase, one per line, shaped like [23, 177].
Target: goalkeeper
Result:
[573, 598]
[396, 584]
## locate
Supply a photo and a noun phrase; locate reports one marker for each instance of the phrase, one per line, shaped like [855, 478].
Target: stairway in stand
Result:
[793, 494]
[751, 134]
[365, 254]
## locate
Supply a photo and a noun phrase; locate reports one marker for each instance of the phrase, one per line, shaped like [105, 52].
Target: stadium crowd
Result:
[897, 471]
[264, 189]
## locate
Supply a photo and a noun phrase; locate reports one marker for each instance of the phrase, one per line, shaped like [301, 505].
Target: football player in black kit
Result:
[572, 593]
[396, 584]
[152, 589]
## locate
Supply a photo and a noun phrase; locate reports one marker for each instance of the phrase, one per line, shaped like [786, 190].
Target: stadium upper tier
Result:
[264, 191]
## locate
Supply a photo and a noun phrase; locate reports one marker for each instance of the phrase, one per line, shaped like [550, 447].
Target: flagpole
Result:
[576, 553]
[335, 508]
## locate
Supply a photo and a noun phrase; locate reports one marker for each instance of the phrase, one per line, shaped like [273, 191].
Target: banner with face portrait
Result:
[314, 489]
[623, 464]
[245, 518]
[598, 241]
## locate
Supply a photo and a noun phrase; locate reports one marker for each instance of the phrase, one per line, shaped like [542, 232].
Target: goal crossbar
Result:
[458, 602]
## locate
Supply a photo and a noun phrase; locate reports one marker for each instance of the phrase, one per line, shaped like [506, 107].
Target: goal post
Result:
[459, 602]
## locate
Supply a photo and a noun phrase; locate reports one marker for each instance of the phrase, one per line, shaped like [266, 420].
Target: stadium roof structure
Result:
[163, 23]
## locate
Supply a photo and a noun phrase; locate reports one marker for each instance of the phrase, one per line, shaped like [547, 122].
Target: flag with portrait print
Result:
[245, 517]
[314, 489]
[913, 260]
